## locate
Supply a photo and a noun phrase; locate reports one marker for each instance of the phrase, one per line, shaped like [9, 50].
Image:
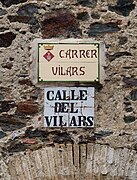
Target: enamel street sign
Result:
[69, 107]
[72, 60]
[68, 62]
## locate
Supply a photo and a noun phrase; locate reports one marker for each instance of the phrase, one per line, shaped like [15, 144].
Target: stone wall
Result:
[24, 142]
[86, 161]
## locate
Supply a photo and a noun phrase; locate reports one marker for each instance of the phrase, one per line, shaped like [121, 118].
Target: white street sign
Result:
[69, 107]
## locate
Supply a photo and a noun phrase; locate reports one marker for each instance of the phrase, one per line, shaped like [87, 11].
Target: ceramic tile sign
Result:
[68, 61]
[69, 107]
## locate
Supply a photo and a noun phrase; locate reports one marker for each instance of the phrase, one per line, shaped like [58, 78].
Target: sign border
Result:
[69, 87]
[70, 81]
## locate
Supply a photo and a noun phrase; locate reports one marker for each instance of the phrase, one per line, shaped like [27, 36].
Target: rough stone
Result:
[27, 107]
[34, 95]
[111, 163]
[7, 65]
[135, 146]
[98, 28]
[29, 141]
[2, 134]
[119, 54]
[88, 3]
[129, 119]
[5, 106]
[133, 95]
[63, 137]
[22, 75]
[123, 40]
[1, 97]
[11, 58]
[83, 16]
[8, 3]
[12, 122]
[25, 81]
[130, 81]
[6, 39]
[60, 23]
[23, 19]
[26, 14]
[34, 28]
[17, 147]
[123, 7]
[88, 139]
[28, 10]
[36, 133]
[95, 15]
[2, 12]
[5, 91]
[126, 99]
[127, 103]
[129, 109]
[2, 29]
[101, 134]
[34, 147]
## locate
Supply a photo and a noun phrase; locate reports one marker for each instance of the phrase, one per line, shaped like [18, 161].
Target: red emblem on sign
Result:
[48, 56]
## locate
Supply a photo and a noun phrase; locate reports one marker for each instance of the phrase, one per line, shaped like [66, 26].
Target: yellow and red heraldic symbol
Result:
[48, 56]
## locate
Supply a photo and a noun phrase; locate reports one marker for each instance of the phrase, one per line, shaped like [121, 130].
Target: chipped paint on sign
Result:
[69, 107]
